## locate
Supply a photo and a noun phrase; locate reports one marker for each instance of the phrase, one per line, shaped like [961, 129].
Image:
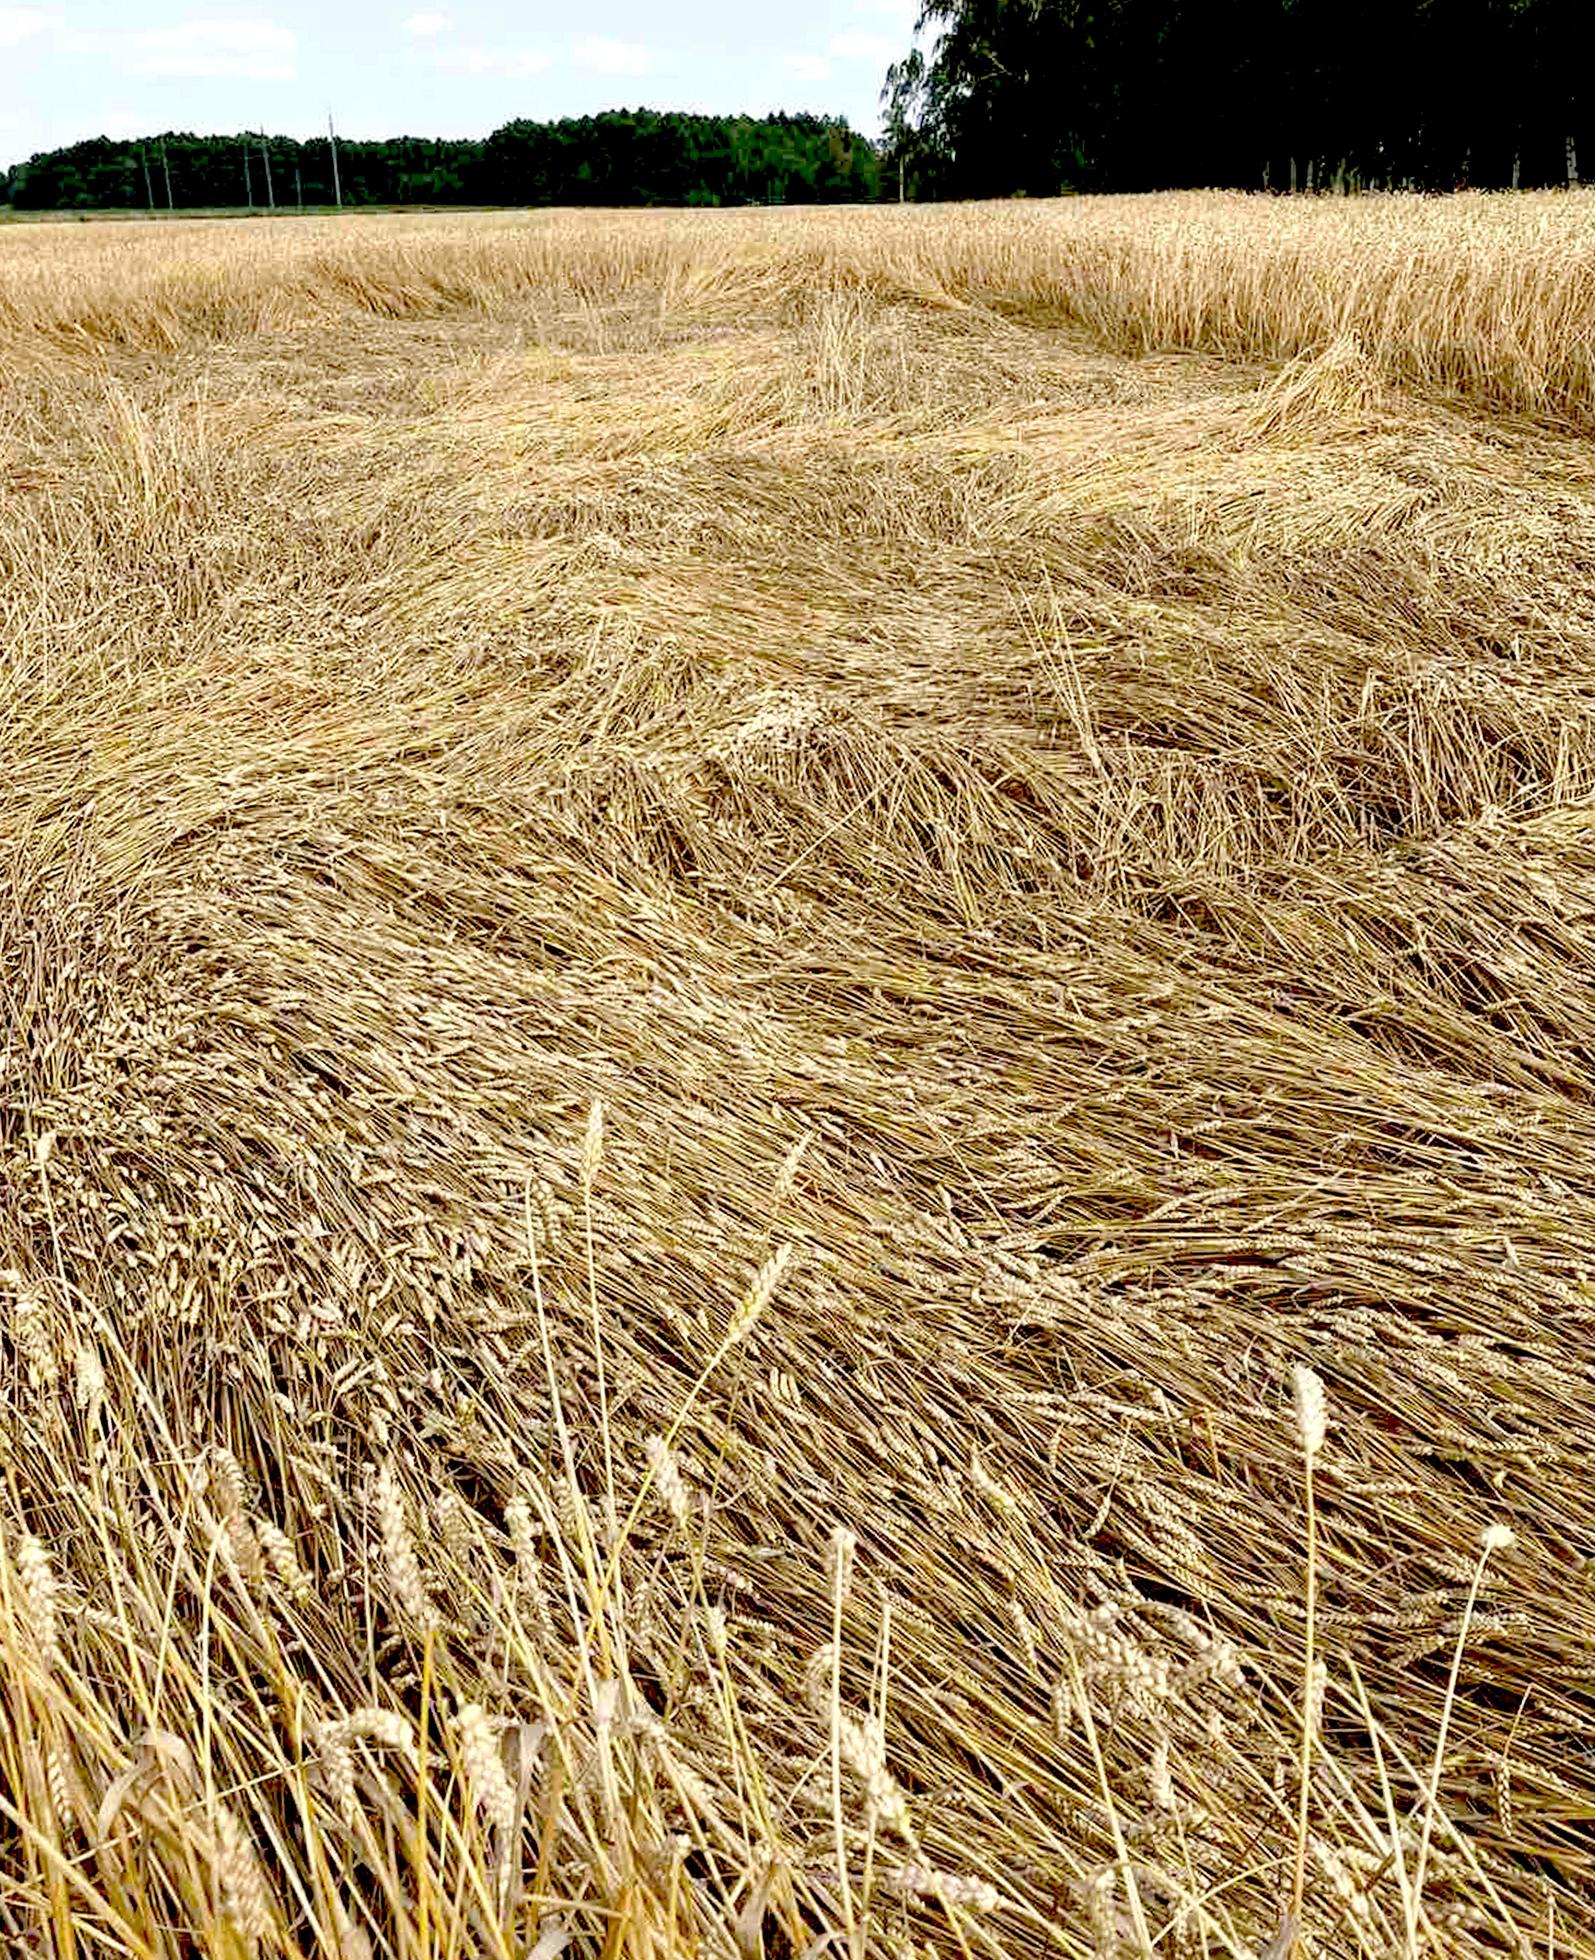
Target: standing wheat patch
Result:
[840, 1554]
[1311, 1424]
[1494, 1538]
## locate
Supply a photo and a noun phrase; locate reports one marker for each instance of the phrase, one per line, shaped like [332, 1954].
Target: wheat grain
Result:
[244, 1894]
[592, 1156]
[60, 1781]
[841, 1553]
[483, 1762]
[398, 1551]
[1160, 1779]
[283, 1560]
[1307, 1391]
[30, 1327]
[385, 1726]
[668, 1480]
[39, 1590]
[225, 1481]
[863, 1745]
[88, 1379]
[758, 1296]
[921, 1881]
[1098, 1894]
[336, 1761]
[454, 1527]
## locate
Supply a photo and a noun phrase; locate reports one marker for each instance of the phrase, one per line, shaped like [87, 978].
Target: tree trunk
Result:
[1572, 163]
[1293, 176]
[1310, 162]
[1517, 171]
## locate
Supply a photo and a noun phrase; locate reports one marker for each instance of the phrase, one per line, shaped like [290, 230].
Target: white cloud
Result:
[604, 57]
[807, 67]
[19, 24]
[477, 58]
[425, 26]
[863, 47]
[253, 49]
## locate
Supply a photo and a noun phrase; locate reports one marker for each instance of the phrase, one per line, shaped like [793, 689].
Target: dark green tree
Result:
[626, 156]
[1006, 96]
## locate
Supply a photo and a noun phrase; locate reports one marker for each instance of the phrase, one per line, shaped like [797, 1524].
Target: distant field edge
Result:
[1482, 297]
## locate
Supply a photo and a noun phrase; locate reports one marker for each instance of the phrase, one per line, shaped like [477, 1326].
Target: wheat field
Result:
[797, 1083]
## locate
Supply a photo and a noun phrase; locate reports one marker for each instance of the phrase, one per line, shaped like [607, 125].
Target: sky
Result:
[76, 68]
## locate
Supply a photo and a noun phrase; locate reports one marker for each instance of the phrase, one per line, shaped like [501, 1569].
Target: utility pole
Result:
[249, 189]
[901, 197]
[265, 157]
[299, 188]
[166, 169]
[149, 193]
[332, 139]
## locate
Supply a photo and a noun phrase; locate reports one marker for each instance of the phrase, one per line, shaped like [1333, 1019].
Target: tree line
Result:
[621, 157]
[996, 98]
[1043, 96]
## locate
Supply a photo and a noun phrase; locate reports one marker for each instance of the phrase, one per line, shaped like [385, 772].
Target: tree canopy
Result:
[628, 156]
[1040, 96]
